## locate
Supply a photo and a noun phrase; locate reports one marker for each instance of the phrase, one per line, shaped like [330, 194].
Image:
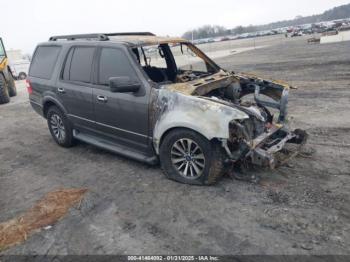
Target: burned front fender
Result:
[177, 110]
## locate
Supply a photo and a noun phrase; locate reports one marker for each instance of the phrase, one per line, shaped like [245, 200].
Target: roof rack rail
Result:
[100, 37]
[130, 33]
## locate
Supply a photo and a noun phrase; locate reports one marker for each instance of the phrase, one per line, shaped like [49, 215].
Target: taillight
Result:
[29, 86]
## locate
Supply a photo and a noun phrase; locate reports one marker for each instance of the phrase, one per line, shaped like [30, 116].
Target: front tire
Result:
[4, 92]
[188, 157]
[60, 127]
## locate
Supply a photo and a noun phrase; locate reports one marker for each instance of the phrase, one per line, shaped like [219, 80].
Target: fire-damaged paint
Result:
[209, 118]
[188, 105]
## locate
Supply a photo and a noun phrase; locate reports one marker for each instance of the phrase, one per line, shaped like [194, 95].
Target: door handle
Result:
[60, 90]
[102, 99]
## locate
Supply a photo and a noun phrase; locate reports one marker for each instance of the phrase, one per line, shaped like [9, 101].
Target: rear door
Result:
[121, 116]
[74, 89]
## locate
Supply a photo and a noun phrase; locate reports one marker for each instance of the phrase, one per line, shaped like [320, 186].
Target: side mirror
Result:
[123, 84]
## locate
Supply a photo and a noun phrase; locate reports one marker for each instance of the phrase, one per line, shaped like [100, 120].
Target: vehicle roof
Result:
[133, 39]
[147, 40]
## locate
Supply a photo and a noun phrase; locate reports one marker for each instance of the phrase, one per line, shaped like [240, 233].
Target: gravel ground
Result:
[131, 208]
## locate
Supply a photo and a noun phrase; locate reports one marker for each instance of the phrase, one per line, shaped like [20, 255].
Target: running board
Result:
[115, 148]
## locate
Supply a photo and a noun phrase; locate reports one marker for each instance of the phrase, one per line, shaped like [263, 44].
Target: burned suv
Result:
[158, 99]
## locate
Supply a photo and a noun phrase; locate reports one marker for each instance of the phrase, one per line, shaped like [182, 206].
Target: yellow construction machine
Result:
[7, 83]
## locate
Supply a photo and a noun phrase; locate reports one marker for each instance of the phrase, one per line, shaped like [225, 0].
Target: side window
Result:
[113, 63]
[44, 61]
[154, 57]
[78, 65]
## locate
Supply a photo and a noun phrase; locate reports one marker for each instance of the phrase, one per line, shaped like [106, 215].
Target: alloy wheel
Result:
[58, 127]
[188, 158]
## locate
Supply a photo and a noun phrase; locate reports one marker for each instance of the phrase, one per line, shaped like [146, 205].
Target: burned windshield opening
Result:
[173, 63]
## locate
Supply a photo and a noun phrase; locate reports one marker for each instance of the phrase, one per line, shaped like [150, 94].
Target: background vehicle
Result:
[7, 83]
[171, 103]
[20, 68]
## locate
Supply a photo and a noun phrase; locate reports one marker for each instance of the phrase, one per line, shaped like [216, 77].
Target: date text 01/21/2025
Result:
[173, 258]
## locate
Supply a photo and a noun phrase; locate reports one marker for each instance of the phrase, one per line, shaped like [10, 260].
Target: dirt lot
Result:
[131, 208]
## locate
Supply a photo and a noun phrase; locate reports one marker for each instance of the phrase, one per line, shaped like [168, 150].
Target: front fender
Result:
[206, 117]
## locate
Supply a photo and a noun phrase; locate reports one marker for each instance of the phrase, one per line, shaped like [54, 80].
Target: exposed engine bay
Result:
[260, 136]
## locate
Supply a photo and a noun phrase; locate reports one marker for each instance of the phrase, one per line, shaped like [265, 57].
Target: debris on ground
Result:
[314, 40]
[47, 211]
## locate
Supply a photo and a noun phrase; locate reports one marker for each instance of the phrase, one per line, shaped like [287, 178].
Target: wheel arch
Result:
[157, 142]
[48, 102]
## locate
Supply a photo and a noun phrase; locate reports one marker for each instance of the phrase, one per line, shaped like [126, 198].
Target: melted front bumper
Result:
[264, 149]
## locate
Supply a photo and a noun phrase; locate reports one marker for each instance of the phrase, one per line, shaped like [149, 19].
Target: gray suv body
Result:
[157, 98]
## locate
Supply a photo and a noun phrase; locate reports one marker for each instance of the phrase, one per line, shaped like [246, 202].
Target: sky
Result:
[28, 22]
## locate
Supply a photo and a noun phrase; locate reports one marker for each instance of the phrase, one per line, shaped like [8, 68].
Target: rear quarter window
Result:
[44, 61]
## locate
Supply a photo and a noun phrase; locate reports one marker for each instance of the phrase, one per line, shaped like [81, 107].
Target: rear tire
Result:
[60, 127]
[22, 76]
[4, 92]
[12, 86]
[203, 158]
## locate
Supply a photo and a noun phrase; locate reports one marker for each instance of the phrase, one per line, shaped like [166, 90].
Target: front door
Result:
[121, 116]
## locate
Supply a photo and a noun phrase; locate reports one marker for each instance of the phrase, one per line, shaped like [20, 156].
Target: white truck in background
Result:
[19, 64]
[20, 68]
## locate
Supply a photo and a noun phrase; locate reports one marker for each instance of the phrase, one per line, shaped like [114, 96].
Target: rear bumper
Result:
[265, 148]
